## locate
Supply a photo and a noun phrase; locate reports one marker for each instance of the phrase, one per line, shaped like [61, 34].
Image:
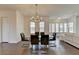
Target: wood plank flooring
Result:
[61, 48]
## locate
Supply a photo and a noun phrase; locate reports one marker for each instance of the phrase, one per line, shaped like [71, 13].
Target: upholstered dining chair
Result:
[53, 39]
[24, 40]
[34, 40]
[45, 40]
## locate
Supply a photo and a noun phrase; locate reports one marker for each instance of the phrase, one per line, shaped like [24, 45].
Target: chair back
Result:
[54, 36]
[22, 36]
[42, 33]
[44, 39]
[34, 39]
[36, 33]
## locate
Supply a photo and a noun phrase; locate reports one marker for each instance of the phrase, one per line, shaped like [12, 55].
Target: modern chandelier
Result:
[36, 17]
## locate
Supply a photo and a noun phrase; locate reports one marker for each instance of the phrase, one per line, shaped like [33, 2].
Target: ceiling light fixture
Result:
[36, 17]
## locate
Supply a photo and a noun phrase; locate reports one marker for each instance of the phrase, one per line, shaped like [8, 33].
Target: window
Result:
[53, 28]
[50, 28]
[70, 27]
[41, 26]
[65, 27]
[61, 27]
[32, 27]
[57, 27]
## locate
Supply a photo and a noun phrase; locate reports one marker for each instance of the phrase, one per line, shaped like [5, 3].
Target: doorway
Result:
[4, 30]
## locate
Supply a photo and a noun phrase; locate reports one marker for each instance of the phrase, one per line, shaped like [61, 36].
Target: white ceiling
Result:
[52, 10]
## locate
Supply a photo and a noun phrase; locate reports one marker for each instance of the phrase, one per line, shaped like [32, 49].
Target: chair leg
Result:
[54, 44]
[32, 47]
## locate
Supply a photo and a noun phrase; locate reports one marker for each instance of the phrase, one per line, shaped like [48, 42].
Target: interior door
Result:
[0, 29]
[5, 30]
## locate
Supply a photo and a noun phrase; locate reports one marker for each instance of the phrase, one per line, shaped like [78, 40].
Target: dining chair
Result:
[34, 40]
[24, 40]
[45, 40]
[53, 39]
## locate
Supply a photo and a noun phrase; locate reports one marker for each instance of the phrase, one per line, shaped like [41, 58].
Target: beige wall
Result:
[37, 29]
[19, 24]
[27, 26]
[46, 25]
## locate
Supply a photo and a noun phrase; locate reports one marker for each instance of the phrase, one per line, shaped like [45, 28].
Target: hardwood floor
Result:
[62, 48]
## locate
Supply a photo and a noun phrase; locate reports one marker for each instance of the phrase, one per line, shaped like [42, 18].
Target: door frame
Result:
[2, 40]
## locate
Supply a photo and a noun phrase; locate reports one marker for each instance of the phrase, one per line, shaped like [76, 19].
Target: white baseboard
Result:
[13, 41]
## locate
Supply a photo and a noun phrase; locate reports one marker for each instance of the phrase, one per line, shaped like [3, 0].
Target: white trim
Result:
[13, 41]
